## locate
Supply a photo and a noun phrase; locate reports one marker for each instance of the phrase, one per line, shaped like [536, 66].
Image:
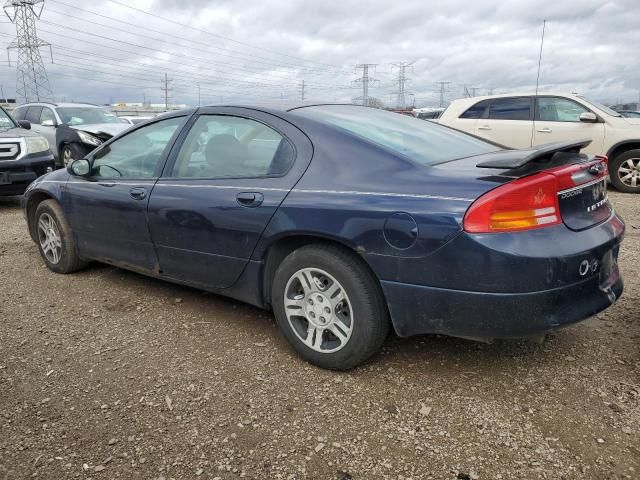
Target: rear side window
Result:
[514, 108]
[220, 146]
[33, 114]
[477, 111]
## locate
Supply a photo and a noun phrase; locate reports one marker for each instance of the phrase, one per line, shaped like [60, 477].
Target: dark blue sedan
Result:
[346, 221]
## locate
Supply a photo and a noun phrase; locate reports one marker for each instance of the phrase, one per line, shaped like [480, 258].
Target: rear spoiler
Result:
[514, 159]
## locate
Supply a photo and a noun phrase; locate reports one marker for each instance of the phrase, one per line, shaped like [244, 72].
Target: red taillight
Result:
[524, 204]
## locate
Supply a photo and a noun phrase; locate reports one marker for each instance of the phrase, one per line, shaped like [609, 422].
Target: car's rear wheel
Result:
[624, 171]
[329, 306]
[54, 238]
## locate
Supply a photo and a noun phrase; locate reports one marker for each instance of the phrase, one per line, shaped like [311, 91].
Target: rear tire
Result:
[624, 171]
[55, 239]
[329, 306]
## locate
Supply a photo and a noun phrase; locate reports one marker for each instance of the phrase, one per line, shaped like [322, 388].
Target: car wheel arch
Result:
[622, 147]
[35, 199]
[283, 246]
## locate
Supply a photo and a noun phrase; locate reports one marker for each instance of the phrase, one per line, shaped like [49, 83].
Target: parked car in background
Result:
[347, 221]
[72, 129]
[629, 113]
[24, 155]
[523, 120]
[428, 113]
[133, 120]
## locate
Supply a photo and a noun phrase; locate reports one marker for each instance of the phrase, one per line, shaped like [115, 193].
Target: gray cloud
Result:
[590, 47]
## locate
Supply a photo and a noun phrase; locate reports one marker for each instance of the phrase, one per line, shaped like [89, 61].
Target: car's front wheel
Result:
[624, 171]
[69, 153]
[329, 306]
[55, 239]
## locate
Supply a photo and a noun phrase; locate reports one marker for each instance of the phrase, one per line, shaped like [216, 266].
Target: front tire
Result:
[69, 153]
[329, 306]
[624, 171]
[55, 239]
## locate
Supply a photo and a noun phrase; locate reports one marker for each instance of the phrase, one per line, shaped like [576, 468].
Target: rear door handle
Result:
[544, 130]
[138, 193]
[250, 199]
[484, 127]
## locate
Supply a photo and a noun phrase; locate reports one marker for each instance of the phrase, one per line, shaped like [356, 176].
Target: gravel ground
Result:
[107, 374]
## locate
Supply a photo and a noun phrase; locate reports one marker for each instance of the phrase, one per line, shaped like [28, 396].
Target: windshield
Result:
[5, 120]
[424, 142]
[606, 110]
[86, 115]
[631, 114]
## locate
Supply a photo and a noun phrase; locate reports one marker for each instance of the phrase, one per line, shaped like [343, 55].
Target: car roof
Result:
[472, 100]
[283, 106]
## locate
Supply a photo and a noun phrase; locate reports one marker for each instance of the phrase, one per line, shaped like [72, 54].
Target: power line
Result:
[365, 81]
[402, 81]
[234, 55]
[32, 83]
[442, 90]
[219, 36]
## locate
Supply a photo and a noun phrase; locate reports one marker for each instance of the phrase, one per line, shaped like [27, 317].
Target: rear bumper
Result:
[417, 310]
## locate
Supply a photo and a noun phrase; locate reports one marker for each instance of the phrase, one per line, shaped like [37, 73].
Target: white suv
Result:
[524, 120]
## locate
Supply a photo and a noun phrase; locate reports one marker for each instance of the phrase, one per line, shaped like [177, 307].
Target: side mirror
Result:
[26, 124]
[48, 123]
[80, 167]
[588, 117]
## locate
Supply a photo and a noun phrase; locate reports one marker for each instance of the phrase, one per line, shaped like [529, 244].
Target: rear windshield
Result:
[424, 142]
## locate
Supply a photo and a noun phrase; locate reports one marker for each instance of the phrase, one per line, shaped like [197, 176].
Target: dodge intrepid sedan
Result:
[348, 222]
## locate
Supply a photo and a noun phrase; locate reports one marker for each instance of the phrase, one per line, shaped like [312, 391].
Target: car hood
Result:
[633, 121]
[110, 129]
[17, 132]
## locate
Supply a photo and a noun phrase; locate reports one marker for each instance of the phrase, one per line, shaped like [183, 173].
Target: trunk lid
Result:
[581, 178]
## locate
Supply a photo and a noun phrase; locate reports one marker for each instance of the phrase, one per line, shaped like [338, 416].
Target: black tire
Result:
[74, 150]
[69, 261]
[620, 161]
[370, 318]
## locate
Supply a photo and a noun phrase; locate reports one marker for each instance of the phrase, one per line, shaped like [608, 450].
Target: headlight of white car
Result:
[36, 145]
[88, 138]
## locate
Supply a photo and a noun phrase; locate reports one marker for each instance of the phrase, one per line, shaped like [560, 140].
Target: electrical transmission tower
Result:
[402, 81]
[166, 90]
[302, 91]
[32, 83]
[442, 90]
[365, 81]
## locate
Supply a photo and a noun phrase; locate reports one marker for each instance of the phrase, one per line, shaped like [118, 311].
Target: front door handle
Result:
[544, 130]
[250, 199]
[484, 127]
[138, 193]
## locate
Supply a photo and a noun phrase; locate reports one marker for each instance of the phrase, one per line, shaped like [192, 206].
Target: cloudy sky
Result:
[262, 50]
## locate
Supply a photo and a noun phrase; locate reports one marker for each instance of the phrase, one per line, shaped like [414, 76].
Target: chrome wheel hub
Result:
[629, 172]
[49, 238]
[318, 310]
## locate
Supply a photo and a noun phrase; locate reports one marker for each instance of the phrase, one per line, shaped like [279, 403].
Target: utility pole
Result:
[32, 83]
[442, 90]
[198, 94]
[402, 81]
[166, 88]
[365, 81]
[302, 91]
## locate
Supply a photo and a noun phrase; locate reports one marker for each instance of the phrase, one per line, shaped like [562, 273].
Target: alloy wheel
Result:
[629, 172]
[49, 238]
[318, 310]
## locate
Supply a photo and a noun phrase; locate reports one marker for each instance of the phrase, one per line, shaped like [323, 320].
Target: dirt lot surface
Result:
[106, 374]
